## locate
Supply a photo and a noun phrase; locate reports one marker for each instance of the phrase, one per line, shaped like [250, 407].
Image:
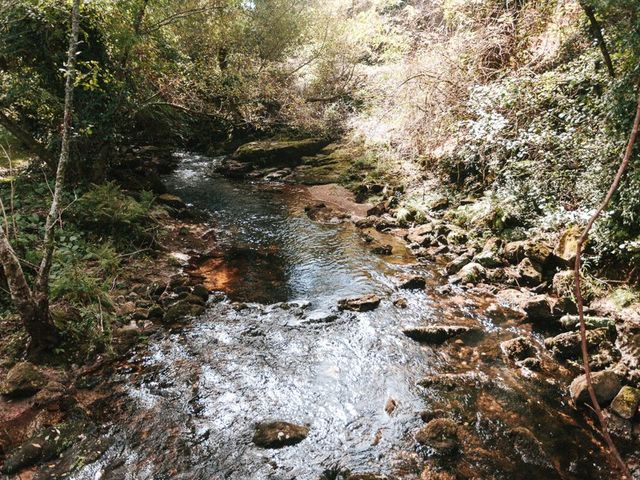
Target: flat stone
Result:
[452, 381]
[605, 383]
[527, 275]
[411, 282]
[360, 304]
[279, 434]
[518, 348]
[321, 316]
[437, 334]
[625, 404]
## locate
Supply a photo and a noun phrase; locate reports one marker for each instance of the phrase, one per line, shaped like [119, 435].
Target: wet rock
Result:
[366, 222]
[529, 447]
[430, 473]
[360, 304]
[626, 402]
[277, 175]
[201, 291]
[279, 434]
[531, 363]
[567, 345]
[518, 348]
[401, 302]
[321, 316]
[567, 244]
[23, 379]
[381, 249]
[471, 273]
[452, 381]
[437, 334]
[385, 222]
[440, 436]
[606, 385]
[390, 406]
[455, 265]
[44, 446]
[411, 282]
[156, 312]
[170, 200]
[367, 476]
[181, 310]
[621, 431]
[526, 274]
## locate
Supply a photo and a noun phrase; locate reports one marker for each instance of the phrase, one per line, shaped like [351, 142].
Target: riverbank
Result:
[333, 302]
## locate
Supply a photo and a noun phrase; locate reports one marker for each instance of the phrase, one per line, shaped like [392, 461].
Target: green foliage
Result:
[106, 211]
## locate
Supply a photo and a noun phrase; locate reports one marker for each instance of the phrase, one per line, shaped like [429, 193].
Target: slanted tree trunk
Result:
[33, 304]
[596, 31]
[24, 137]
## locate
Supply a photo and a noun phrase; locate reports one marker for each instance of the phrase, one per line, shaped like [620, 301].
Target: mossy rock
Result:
[23, 379]
[182, 310]
[278, 153]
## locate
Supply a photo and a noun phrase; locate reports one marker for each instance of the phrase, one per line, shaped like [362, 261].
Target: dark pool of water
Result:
[192, 397]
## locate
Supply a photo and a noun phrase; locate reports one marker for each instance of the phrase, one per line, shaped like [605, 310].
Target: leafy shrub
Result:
[107, 211]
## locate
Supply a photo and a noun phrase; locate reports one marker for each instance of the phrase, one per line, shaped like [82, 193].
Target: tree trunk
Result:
[42, 280]
[596, 31]
[33, 305]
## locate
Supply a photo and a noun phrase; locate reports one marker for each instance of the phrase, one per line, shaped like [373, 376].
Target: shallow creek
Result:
[192, 396]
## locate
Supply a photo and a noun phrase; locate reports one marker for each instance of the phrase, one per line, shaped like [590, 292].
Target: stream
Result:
[276, 348]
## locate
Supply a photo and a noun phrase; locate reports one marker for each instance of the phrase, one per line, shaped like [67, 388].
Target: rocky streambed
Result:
[351, 351]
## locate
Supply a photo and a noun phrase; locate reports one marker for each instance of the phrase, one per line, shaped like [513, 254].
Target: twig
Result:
[583, 329]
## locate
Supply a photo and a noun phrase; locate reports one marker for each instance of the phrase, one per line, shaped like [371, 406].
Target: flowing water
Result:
[191, 398]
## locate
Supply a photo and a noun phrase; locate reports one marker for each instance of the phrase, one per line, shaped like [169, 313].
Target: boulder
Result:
[181, 310]
[538, 252]
[439, 203]
[382, 249]
[422, 235]
[567, 345]
[526, 274]
[360, 304]
[472, 273]
[440, 435]
[411, 282]
[170, 200]
[538, 309]
[201, 291]
[567, 243]
[518, 348]
[563, 283]
[489, 259]
[279, 434]
[23, 379]
[626, 402]
[437, 334]
[455, 265]
[277, 153]
[605, 383]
